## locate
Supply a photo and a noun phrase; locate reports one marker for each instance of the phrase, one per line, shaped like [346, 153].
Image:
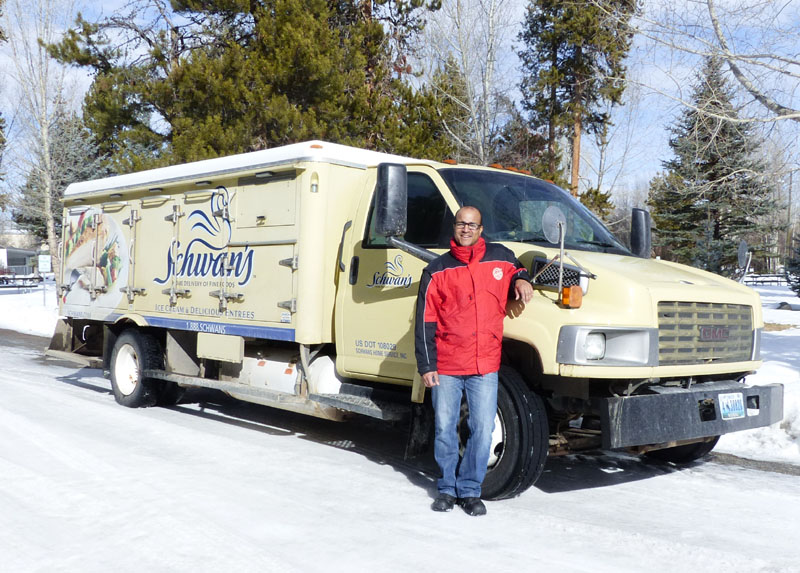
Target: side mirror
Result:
[392, 200]
[640, 233]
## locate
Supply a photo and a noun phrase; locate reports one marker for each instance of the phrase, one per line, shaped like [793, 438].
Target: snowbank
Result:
[29, 310]
[31, 313]
[780, 344]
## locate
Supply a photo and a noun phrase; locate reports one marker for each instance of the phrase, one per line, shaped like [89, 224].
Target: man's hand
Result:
[431, 379]
[523, 290]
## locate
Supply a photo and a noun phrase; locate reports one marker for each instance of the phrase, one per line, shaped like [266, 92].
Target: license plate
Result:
[731, 405]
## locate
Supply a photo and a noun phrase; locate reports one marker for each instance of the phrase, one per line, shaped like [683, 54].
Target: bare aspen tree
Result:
[39, 84]
[465, 39]
[614, 152]
[756, 40]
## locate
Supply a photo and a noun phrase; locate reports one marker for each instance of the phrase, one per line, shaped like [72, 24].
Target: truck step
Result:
[381, 409]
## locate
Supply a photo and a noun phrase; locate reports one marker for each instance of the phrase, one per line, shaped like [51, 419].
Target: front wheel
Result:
[685, 453]
[520, 440]
[134, 352]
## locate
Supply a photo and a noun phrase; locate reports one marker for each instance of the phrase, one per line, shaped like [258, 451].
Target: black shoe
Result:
[472, 506]
[444, 502]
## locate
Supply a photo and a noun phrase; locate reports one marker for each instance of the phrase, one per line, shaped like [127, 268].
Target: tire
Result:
[134, 352]
[520, 440]
[686, 453]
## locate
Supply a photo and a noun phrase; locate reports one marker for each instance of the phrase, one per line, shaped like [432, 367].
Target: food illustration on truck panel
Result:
[95, 259]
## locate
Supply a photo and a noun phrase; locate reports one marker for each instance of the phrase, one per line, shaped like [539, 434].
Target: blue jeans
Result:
[463, 477]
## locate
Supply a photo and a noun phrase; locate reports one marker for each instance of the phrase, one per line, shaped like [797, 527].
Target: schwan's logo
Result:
[393, 275]
[206, 255]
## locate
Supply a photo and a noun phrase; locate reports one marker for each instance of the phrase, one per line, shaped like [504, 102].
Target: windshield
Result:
[512, 207]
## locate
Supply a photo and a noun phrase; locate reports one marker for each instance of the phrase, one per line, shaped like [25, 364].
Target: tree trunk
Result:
[551, 133]
[576, 154]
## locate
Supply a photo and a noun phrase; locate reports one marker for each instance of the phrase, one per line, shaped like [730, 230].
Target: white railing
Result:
[761, 280]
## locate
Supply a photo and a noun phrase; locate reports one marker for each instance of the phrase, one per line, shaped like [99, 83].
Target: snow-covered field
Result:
[88, 486]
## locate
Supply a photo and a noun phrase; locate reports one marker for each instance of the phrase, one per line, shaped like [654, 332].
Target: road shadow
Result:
[384, 443]
[380, 442]
[598, 469]
[85, 378]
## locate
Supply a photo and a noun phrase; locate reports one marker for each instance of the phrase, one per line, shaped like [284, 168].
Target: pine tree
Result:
[521, 147]
[793, 267]
[73, 157]
[233, 77]
[572, 62]
[715, 190]
[597, 202]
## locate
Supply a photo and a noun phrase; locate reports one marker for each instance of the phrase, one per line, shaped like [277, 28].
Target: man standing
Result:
[459, 333]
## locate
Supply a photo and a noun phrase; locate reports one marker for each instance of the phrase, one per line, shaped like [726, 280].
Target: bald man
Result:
[458, 335]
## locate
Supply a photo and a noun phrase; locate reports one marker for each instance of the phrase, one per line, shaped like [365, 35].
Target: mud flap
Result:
[420, 430]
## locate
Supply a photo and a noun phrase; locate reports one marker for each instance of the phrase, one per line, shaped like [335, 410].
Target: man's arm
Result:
[425, 328]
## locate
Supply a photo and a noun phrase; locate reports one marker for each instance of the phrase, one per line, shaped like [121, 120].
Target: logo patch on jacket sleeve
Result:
[497, 273]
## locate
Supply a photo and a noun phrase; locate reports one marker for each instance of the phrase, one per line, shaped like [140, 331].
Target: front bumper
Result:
[675, 413]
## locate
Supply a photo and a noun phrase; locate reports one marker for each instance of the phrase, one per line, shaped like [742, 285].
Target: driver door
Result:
[375, 324]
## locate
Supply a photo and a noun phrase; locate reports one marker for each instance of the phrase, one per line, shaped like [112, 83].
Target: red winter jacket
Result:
[461, 306]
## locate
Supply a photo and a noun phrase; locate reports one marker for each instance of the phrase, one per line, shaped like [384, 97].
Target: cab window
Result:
[429, 219]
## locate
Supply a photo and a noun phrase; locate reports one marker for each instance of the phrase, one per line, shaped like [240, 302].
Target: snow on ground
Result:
[87, 486]
[211, 485]
[31, 313]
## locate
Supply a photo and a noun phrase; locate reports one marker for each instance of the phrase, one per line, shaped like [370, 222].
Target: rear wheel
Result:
[520, 440]
[134, 352]
[686, 453]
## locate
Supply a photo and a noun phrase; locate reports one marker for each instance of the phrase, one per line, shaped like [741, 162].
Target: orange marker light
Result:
[571, 296]
[450, 161]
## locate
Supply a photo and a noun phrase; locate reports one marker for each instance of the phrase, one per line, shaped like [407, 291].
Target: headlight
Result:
[607, 346]
[594, 346]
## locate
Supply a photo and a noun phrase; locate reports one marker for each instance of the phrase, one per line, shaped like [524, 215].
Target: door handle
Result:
[353, 270]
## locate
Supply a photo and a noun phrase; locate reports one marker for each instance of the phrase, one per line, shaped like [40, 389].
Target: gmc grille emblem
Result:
[714, 333]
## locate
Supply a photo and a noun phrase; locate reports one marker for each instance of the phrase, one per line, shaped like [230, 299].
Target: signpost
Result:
[45, 266]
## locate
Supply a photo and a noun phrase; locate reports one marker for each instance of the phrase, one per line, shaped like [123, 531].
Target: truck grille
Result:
[702, 332]
[549, 277]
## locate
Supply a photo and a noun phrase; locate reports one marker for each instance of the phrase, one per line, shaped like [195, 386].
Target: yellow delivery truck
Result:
[288, 277]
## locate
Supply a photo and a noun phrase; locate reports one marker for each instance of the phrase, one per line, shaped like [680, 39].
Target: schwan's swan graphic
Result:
[393, 275]
[206, 254]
